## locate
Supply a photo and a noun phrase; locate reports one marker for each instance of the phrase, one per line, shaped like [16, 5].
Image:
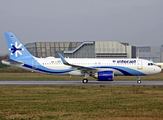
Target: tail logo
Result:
[16, 49]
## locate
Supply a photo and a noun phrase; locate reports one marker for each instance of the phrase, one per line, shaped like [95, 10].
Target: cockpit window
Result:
[150, 64]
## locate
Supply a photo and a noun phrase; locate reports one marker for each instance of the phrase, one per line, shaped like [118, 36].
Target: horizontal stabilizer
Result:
[11, 62]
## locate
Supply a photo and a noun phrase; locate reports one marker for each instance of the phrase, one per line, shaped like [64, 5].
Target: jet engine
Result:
[104, 75]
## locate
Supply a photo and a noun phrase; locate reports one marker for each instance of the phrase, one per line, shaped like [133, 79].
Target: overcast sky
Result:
[137, 22]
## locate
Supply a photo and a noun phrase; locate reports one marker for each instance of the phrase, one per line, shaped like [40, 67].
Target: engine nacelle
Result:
[104, 75]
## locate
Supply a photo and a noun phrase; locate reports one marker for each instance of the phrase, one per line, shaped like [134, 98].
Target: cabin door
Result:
[139, 65]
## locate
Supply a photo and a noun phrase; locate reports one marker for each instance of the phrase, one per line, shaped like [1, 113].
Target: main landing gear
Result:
[85, 80]
[138, 80]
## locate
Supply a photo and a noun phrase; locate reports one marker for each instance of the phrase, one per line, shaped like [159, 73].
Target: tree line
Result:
[3, 57]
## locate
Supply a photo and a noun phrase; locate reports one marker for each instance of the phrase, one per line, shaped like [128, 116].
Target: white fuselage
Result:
[120, 67]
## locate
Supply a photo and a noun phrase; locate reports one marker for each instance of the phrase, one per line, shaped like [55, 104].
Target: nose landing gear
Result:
[138, 80]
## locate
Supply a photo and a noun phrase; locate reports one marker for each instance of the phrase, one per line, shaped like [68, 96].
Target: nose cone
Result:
[158, 69]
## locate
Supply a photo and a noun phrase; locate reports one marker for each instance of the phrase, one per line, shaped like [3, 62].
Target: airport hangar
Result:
[87, 49]
[155, 53]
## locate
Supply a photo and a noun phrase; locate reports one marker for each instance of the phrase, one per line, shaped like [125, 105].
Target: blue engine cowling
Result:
[105, 76]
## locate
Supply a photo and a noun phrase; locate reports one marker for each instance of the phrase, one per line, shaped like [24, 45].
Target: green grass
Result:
[81, 102]
[3, 66]
[8, 69]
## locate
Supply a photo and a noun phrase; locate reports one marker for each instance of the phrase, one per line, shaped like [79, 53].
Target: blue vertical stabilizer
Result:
[15, 47]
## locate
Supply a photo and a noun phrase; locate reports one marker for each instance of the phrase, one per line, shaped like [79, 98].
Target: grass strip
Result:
[81, 102]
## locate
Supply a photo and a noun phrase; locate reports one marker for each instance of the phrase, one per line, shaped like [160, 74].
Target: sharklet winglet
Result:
[63, 60]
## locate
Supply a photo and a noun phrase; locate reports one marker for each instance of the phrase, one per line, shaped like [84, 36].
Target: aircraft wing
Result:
[82, 68]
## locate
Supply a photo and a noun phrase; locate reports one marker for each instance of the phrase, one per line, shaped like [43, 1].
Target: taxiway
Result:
[79, 83]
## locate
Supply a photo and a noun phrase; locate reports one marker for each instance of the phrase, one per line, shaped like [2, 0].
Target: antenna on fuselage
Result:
[151, 60]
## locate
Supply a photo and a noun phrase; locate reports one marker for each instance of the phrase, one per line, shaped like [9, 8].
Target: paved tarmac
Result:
[79, 83]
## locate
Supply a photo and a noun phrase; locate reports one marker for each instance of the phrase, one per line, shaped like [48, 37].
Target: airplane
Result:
[99, 68]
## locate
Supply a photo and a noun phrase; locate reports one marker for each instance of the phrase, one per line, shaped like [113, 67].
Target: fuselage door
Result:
[139, 65]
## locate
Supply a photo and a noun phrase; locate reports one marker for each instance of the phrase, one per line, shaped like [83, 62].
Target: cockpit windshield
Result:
[150, 64]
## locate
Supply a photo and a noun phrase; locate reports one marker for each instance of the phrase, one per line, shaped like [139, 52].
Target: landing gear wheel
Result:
[85, 80]
[138, 81]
